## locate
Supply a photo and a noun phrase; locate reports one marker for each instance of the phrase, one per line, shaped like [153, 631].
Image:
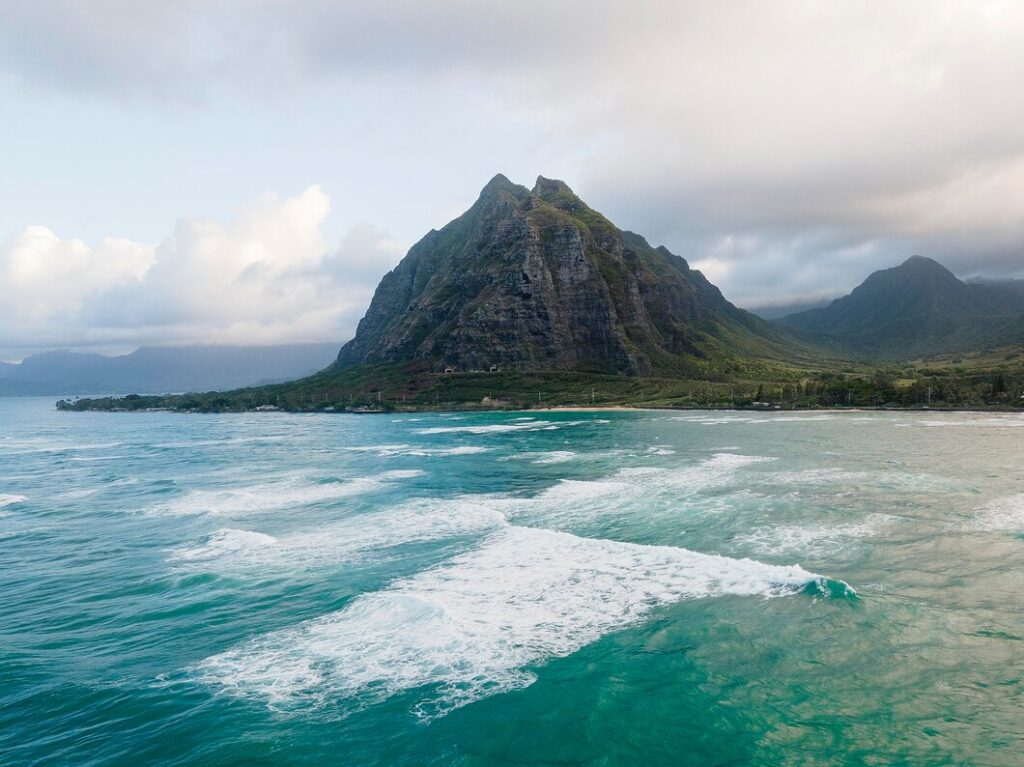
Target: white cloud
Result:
[265, 276]
[45, 276]
[817, 140]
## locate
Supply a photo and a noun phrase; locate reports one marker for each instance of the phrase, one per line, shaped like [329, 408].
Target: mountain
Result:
[535, 280]
[916, 309]
[162, 369]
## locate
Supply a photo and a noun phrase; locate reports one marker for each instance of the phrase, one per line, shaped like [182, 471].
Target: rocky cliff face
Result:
[536, 280]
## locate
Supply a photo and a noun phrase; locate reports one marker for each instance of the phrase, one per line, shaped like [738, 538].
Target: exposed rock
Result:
[537, 280]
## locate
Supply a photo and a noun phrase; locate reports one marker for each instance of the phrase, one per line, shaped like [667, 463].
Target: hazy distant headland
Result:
[162, 369]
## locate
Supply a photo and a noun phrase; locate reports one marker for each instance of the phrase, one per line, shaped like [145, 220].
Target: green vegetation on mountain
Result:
[531, 298]
[916, 310]
[538, 281]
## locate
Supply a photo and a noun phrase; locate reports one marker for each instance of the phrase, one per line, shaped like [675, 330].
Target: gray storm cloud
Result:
[787, 148]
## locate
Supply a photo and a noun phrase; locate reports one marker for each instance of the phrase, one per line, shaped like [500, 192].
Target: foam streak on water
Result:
[277, 494]
[355, 539]
[475, 626]
[1002, 514]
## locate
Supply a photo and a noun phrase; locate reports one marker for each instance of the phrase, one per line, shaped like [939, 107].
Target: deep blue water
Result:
[546, 588]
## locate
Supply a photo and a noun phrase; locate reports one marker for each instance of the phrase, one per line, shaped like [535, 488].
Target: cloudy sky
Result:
[246, 171]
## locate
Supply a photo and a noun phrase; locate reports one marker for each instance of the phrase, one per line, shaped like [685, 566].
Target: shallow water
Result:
[477, 589]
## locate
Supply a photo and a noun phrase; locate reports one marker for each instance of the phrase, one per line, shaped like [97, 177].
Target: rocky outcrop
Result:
[537, 280]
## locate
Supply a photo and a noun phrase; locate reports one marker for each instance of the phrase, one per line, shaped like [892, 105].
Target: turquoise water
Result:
[547, 588]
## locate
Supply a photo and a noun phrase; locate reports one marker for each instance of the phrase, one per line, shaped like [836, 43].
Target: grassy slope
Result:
[983, 384]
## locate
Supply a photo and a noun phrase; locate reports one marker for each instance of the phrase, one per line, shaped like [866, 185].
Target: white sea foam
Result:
[1005, 421]
[817, 538]
[79, 494]
[712, 420]
[793, 418]
[475, 626]
[884, 480]
[430, 452]
[277, 494]
[226, 542]
[631, 472]
[350, 540]
[40, 445]
[390, 448]
[555, 456]
[10, 500]
[564, 456]
[402, 474]
[576, 490]
[190, 443]
[628, 490]
[709, 472]
[735, 418]
[386, 451]
[519, 425]
[492, 428]
[1002, 514]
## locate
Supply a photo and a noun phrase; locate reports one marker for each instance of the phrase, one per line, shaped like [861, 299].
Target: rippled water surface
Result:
[474, 589]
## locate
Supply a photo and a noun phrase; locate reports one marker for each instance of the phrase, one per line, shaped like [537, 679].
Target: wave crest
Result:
[475, 626]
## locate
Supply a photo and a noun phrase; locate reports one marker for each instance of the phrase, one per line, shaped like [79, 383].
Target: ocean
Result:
[543, 588]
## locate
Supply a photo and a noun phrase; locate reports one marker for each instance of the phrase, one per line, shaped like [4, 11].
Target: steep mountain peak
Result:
[921, 261]
[552, 188]
[537, 280]
[558, 194]
[500, 183]
[916, 273]
[923, 265]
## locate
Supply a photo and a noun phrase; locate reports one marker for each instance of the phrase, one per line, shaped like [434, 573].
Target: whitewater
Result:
[498, 588]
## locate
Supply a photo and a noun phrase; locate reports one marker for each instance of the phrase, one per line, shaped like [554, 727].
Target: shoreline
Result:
[740, 409]
[568, 409]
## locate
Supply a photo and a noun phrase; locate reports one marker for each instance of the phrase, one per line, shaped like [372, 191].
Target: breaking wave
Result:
[475, 626]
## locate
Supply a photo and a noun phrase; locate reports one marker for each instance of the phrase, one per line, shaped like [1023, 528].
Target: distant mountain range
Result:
[917, 309]
[162, 369]
[536, 280]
